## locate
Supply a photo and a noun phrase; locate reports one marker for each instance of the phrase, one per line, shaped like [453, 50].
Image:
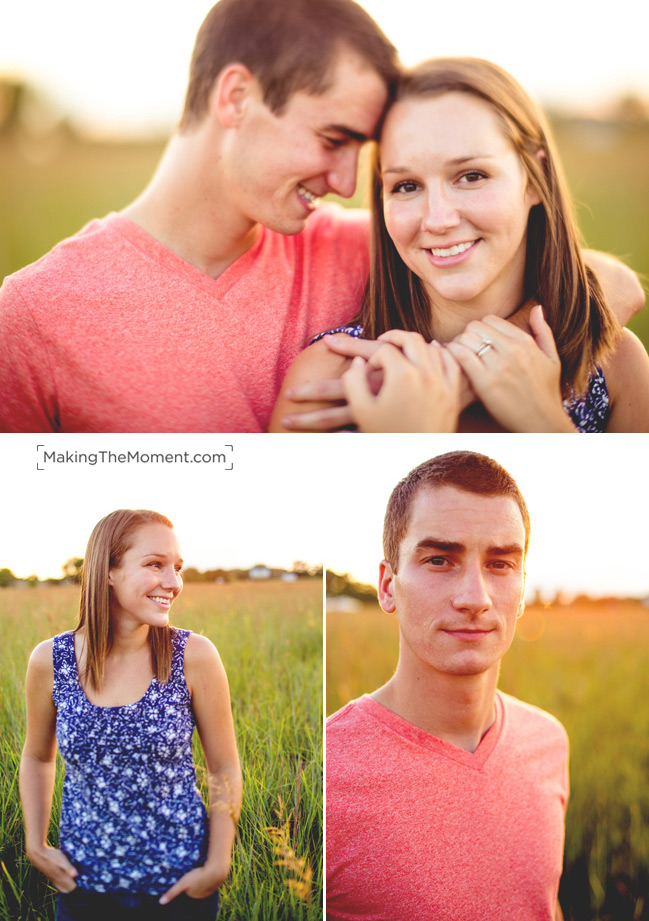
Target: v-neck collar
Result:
[419, 737]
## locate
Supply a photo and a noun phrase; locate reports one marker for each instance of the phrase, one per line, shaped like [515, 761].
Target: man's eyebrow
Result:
[348, 132]
[507, 550]
[449, 546]
[435, 543]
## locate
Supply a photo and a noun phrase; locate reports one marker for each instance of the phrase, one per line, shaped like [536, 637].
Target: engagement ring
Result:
[486, 344]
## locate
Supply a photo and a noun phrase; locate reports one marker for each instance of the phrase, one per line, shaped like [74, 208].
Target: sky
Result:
[253, 513]
[323, 499]
[121, 68]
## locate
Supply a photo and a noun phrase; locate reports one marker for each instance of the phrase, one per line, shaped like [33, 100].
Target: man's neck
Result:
[457, 709]
[185, 209]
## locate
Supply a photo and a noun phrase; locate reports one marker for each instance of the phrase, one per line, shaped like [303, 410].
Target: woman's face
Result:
[148, 578]
[457, 201]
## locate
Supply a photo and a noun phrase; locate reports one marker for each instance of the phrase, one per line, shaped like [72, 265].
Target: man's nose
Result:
[341, 178]
[472, 595]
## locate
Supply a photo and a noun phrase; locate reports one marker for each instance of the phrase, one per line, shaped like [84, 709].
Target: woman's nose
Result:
[441, 212]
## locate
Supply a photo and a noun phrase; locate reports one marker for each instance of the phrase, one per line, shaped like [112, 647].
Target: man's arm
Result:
[620, 284]
[27, 403]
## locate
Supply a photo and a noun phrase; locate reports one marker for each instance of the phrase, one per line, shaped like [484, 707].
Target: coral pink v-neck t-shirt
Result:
[112, 332]
[420, 830]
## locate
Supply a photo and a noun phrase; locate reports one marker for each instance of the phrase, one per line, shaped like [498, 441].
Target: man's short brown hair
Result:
[288, 45]
[466, 470]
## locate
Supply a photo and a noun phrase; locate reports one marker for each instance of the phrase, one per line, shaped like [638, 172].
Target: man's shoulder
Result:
[337, 226]
[79, 249]
[529, 720]
[343, 717]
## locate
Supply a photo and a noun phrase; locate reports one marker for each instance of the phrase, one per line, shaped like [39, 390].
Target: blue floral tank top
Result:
[132, 818]
[589, 413]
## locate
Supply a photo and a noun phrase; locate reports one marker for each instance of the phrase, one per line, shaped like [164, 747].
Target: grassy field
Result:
[49, 190]
[270, 640]
[588, 664]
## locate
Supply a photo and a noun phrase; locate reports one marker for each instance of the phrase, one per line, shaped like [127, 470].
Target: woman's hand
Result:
[54, 864]
[420, 389]
[199, 883]
[517, 377]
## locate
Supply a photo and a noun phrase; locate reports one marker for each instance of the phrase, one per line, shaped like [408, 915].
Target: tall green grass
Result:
[588, 664]
[270, 640]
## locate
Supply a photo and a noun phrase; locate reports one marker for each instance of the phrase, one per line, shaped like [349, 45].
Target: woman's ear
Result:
[386, 588]
[230, 94]
[534, 197]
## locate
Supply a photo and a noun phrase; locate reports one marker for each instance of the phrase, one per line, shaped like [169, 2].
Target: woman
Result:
[121, 695]
[470, 222]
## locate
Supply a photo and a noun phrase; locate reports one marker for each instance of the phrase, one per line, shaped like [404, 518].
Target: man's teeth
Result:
[308, 195]
[453, 250]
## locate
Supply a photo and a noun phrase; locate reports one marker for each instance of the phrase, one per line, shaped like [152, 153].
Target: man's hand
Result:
[335, 416]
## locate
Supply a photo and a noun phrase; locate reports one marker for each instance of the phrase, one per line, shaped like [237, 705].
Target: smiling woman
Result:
[121, 695]
[475, 251]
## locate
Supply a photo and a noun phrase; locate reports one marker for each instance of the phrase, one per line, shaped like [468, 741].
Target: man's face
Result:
[279, 165]
[460, 580]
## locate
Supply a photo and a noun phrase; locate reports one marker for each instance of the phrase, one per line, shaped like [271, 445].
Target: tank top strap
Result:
[178, 643]
[65, 666]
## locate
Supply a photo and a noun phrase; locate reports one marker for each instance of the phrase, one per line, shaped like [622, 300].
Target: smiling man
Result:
[445, 797]
[183, 312]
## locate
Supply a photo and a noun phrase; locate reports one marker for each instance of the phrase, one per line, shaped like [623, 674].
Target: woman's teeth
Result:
[453, 250]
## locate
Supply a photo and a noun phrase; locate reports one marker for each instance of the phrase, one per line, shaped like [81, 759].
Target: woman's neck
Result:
[450, 318]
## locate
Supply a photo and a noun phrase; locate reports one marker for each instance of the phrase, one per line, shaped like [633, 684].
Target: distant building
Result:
[260, 572]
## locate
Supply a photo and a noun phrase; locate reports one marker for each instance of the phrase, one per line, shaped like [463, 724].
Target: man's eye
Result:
[437, 560]
[333, 143]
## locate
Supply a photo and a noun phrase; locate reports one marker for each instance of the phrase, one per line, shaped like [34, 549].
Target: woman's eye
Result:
[404, 187]
[472, 177]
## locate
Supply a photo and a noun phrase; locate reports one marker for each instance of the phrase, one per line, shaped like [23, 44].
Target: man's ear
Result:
[230, 94]
[386, 588]
[521, 603]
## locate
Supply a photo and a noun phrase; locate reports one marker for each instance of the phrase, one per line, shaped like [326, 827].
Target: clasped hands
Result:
[401, 383]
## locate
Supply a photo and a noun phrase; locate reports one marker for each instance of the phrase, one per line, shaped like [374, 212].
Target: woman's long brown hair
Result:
[108, 543]
[584, 327]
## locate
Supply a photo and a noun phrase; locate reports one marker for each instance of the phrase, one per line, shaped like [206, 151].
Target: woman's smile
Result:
[456, 202]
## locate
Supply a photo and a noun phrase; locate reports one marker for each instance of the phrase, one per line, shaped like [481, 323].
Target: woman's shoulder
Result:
[627, 377]
[200, 652]
[40, 668]
[202, 662]
[316, 363]
[41, 655]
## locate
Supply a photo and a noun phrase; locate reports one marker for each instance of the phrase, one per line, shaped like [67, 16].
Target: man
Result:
[184, 312]
[445, 797]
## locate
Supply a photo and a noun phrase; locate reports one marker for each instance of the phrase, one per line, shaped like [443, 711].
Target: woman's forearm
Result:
[224, 788]
[36, 780]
